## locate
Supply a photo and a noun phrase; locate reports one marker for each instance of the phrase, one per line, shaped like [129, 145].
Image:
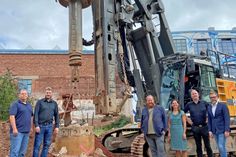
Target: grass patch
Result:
[119, 123]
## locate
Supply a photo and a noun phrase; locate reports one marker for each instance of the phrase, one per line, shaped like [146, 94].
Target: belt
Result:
[45, 123]
[200, 125]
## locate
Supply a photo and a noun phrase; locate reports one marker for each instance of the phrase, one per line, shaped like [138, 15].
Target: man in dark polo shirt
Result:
[21, 114]
[46, 111]
[198, 114]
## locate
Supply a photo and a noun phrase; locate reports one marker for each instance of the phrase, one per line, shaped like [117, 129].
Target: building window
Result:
[25, 84]
[227, 45]
[180, 45]
[201, 45]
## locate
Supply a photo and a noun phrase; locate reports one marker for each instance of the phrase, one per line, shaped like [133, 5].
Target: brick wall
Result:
[50, 70]
[44, 65]
[53, 70]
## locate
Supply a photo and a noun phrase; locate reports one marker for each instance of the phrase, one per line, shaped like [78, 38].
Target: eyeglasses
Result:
[212, 97]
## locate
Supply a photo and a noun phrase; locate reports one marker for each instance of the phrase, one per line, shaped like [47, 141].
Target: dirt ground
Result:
[5, 142]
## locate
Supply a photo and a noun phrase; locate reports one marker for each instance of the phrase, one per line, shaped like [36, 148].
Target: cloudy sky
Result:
[43, 24]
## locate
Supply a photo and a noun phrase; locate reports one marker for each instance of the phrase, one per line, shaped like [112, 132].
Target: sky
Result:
[43, 24]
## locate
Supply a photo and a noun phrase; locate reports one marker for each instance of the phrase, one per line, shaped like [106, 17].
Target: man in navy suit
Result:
[218, 122]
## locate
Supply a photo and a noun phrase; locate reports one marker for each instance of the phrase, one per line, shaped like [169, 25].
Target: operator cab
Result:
[180, 74]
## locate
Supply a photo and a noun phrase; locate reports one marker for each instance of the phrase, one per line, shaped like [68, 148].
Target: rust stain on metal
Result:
[77, 140]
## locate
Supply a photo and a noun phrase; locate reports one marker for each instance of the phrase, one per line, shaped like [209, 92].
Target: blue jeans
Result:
[44, 135]
[156, 144]
[19, 143]
[221, 144]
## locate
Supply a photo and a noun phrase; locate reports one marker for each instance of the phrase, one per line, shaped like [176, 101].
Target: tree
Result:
[8, 93]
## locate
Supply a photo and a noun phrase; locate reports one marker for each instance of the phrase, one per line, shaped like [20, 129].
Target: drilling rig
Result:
[128, 41]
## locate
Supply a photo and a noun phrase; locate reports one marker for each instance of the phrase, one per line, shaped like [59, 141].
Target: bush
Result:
[8, 93]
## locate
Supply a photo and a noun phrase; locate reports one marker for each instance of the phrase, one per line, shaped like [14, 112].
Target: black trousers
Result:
[199, 133]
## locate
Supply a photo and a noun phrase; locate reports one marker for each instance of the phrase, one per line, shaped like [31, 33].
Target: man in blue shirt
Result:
[21, 114]
[46, 111]
[154, 126]
[218, 122]
[198, 115]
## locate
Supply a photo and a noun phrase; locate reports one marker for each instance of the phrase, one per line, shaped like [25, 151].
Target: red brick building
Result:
[36, 69]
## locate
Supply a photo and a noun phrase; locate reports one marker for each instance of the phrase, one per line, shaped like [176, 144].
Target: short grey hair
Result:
[23, 89]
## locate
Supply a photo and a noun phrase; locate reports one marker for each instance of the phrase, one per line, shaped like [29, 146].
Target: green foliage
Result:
[121, 122]
[8, 93]
[32, 101]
